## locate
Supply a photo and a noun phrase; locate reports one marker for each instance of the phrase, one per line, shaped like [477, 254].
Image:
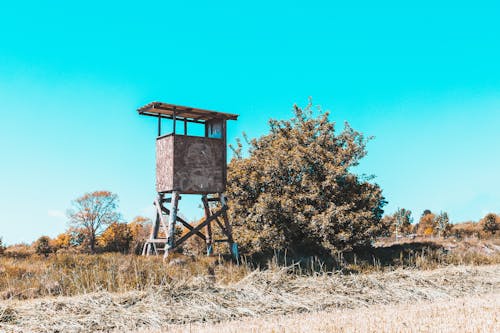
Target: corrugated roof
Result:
[156, 108]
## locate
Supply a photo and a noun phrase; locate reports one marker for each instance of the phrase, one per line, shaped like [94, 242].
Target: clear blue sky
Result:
[422, 77]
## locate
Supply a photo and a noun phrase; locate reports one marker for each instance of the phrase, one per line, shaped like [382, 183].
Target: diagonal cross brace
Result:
[184, 223]
[201, 225]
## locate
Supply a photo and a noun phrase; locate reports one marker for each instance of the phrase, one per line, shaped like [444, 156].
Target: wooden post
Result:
[171, 223]
[174, 118]
[208, 232]
[227, 225]
[159, 124]
[154, 234]
[146, 250]
[224, 139]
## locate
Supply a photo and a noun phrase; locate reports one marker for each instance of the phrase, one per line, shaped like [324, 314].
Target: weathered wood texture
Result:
[156, 244]
[164, 163]
[190, 164]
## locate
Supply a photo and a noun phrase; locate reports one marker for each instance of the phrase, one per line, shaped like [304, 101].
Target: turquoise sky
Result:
[422, 77]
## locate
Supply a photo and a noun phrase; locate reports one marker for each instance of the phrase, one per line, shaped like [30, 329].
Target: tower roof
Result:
[164, 110]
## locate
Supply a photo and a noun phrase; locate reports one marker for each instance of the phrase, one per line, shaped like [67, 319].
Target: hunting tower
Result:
[189, 164]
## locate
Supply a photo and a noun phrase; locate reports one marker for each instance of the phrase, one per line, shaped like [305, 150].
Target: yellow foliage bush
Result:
[428, 231]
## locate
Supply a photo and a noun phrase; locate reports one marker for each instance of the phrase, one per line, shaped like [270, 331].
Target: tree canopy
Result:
[92, 212]
[296, 189]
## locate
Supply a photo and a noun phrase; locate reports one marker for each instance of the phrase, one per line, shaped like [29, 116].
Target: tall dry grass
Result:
[465, 314]
[67, 274]
[273, 292]
[74, 274]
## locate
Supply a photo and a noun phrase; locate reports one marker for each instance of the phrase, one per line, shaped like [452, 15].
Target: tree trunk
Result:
[92, 244]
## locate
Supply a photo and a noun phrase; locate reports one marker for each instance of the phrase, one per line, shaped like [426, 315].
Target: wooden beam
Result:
[159, 125]
[184, 223]
[209, 225]
[221, 226]
[158, 240]
[200, 226]
[160, 215]
[175, 118]
[172, 218]
[164, 116]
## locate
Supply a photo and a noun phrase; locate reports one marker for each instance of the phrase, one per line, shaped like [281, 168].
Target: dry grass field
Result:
[420, 285]
[260, 296]
[465, 314]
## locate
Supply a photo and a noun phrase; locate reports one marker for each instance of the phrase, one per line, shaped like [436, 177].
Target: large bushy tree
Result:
[296, 189]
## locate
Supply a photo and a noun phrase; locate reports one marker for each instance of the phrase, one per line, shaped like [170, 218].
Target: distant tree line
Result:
[95, 226]
[430, 224]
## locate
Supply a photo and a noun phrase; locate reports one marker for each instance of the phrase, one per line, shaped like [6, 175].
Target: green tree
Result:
[92, 212]
[42, 246]
[295, 190]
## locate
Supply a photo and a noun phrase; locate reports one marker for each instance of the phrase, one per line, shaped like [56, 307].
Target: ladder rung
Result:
[169, 199]
[157, 240]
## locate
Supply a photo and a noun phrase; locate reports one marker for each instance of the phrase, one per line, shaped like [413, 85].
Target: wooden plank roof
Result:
[182, 112]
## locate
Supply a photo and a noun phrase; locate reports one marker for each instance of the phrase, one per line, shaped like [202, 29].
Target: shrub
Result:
[466, 229]
[116, 238]
[62, 241]
[295, 190]
[19, 251]
[427, 223]
[490, 223]
[42, 246]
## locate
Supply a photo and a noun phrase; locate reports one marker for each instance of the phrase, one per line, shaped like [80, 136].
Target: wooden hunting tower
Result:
[187, 164]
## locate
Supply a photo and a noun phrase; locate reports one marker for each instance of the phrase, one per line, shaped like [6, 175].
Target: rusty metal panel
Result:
[165, 163]
[199, 165]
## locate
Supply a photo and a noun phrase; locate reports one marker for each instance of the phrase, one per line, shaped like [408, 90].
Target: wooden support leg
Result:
[148, 248]
[229, 230]
[208, 231]
[171, 223]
